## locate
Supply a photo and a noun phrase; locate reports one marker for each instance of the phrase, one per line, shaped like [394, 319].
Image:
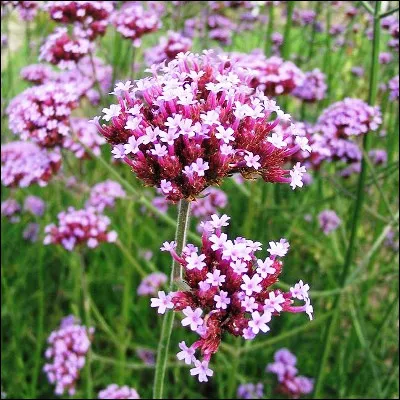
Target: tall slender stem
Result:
[270, 29]
[176, 274]
[332, 323]
[288, 26]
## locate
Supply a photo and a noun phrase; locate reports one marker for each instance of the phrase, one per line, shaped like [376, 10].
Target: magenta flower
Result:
[273, 75]
[328, 221]
[66, 353]
[313, 88]
[291, 384]
[37, 73]
[35, 205]
[11, 209]
[151, 283]
[77, 227]
[104, 194]
[223, 298]
[42, 113]
[64, 50]
[24, 164]
[168, 48]
[85, 135]
[90, 16]
[250, 391]
[195, 123]
[114, 391]
[133, 21]
[394, 88]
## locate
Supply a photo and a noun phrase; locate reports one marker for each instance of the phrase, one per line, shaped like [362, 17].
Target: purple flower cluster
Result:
[339, 122]
[147, 356]
[77, 227]
[132, 21]
[27, 10]
[31, 232]
[114, 391]
[64, 50]
[328, 221]
[85, 136]
[196, 123]
[284, 367]
[11, 209]
[35, 205]
[90, 16]
[272, 75]
[378, 156]
[104, 194]
[228, 291]
[37, 73]
[313, 88]
[168, 48]
[394, 88]
[304, 17]
[385, 58]
[209, 204]
[24, 164]
[41, 113]
[152, 283]
[66, 353]
[250, 391]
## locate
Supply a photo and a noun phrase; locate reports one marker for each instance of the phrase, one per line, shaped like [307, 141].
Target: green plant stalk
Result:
[270, 29]
[314, 31]
[332, 323]
[176, 274]
[288, 27]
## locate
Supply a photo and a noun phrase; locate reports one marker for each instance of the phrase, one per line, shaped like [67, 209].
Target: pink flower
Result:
[187, 353]
[192, 318]
[201, 369]
[162, 302]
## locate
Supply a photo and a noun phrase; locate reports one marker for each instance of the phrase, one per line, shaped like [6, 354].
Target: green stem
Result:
[314, 31]
[332, 323]
[288, 26]
[176, 274]
[270, 29]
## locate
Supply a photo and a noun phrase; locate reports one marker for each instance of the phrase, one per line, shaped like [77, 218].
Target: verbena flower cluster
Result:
[394, 88]
[378, 156]
[196, 123]
[151, 284]
[64, 50]
[133, 21]
[147, 356]
[104, 194]
[76, 227]
[35, 205]
[66, 353]
[313, 87]
[91, 16]
[284, 367]
[328, 221]
[338, 123]
[85, 136]
[41, 113]
[24, 164]
[114, 391]
[273, 75]
[27, 10]
[11, 209]
[229, 290]
[250, 391]
[37, 73]
[31, 232]
[168, 48]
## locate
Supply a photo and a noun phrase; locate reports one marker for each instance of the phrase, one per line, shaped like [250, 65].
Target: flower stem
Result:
[332, 323]
[270, 29]
[176, 274]
[288, 26]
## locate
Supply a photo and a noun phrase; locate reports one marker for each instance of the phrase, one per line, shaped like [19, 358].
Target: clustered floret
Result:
[196, 123]
[104, 194]
[35, 205]
[313, 88]
[77, 227]
[11, 209]
[66, 353]
[37, 73]
[284, 367]
[394, 88]
[64, 50]
[41, 113]
[250, 391]
[151, 283]
[229, 290]
[24, 164]
[133, 21]
[85, 136]
[168, 48]
[114, 391]
[328, 221]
